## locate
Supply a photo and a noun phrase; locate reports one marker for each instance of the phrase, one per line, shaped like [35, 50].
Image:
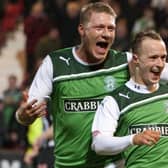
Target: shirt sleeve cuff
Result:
[131, 139]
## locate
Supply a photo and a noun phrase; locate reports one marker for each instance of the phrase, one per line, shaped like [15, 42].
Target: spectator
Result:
[36, 25]
[3, 126]
[12, 98]
[69, 19]
[15, 133]
[47, 43]
[34, 131]
[40, 142]
[12, 13]
[145, 22]
[122, 40]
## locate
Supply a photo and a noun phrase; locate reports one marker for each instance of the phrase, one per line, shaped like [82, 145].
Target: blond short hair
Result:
[98, 7]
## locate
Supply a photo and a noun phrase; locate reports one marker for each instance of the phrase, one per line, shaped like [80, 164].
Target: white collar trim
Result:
[138, 87]
[81, 61]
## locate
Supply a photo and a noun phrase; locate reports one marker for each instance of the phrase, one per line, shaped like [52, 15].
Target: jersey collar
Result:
[138, 87]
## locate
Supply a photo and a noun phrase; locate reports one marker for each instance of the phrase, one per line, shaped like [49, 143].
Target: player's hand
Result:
[28, 112]
[147, 137]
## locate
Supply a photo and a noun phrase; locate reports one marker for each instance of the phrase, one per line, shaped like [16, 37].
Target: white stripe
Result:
[88, 74]
[143, 101]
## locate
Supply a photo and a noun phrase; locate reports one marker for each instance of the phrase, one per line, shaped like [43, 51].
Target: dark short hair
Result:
[136, 43]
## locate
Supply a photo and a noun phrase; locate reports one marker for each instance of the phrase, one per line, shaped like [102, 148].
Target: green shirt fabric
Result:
[77, 91]
[138, 113]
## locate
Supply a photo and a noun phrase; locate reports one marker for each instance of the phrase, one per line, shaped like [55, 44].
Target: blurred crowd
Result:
[50, 25]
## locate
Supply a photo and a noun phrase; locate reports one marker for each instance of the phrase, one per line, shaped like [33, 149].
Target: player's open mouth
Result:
[102, 44]
[102, 47]
[156, 70]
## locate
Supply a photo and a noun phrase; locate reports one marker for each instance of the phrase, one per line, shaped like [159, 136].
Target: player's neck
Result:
[139, 84]
[83, 54]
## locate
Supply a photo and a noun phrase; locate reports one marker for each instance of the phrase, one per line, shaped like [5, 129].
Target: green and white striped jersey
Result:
[138, 112]
[76, 93]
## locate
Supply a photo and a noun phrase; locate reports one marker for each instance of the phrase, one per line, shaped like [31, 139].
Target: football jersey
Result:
[77, 91]
[140, 112]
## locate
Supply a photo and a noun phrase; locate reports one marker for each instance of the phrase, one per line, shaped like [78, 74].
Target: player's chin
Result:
[155, 80]
[100, 56]
[156, 77]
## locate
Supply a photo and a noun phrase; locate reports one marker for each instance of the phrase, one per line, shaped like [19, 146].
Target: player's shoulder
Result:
[118, 56]
[123, 88]
[163, 87]
[117, 52]
[65, 52]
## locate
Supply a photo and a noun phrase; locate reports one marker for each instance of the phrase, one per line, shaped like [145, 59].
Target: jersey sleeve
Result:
[106, 116]
[41, 86]
[104, 126]
[164, 75]
[129, 56]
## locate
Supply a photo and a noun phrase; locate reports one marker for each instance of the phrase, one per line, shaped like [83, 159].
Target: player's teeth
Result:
[155, 69]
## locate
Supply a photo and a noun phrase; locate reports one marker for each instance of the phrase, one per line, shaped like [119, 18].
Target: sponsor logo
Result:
[109, 83]
[76, 105]
[65, 59]
[163, 128]
[123, 95]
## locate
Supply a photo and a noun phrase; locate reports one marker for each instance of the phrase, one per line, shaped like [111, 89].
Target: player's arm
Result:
[41, 87]
[104, 125]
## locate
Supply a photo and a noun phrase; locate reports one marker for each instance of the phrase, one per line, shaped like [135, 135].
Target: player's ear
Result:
[135, 59]
[132, 64]
[81, 29]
